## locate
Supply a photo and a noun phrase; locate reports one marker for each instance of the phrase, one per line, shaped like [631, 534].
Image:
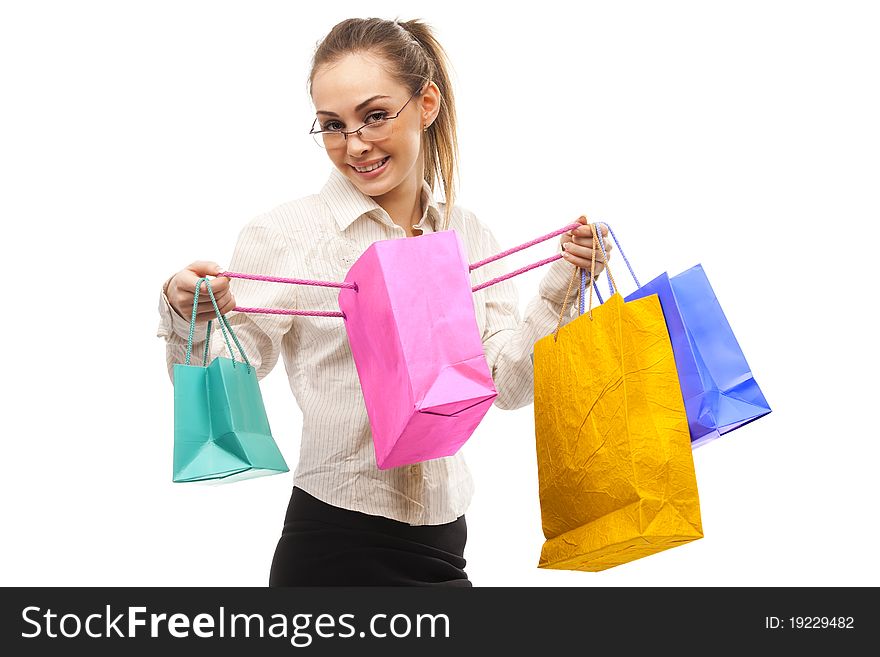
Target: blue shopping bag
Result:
[719, 390]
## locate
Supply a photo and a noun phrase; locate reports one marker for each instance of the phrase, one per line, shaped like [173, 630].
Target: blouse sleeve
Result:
[508, 340]
[260, 249]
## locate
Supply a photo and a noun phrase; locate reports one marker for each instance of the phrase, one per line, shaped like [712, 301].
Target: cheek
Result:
[409, 144]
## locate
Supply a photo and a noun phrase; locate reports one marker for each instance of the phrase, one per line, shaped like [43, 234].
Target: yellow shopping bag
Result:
[615, 468]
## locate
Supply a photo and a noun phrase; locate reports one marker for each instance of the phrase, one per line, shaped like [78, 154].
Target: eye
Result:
[332, 126]
[372, 117]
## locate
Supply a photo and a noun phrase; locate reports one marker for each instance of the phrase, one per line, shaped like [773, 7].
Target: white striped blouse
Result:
[320, 237]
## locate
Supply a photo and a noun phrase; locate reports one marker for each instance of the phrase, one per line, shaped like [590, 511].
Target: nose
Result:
[355, 145]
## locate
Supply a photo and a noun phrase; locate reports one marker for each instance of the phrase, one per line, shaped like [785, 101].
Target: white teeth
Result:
[371, 168]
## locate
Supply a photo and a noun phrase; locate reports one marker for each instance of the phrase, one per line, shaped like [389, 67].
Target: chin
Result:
[373, 187]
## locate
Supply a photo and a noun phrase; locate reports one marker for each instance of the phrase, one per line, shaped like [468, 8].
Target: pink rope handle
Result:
[517, 272]
[294, 281]
[282, 311]
[353, 286]
[521, 270]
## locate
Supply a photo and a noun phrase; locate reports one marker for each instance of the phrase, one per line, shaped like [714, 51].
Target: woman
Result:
[386, 117]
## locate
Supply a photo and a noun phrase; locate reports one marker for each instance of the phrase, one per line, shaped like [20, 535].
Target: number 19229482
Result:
[809, 622]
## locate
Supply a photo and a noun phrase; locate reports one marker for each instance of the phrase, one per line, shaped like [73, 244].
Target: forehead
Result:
[342, 85]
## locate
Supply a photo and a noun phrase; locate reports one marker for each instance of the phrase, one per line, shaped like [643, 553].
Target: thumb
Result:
[582, 220]
[205, 268]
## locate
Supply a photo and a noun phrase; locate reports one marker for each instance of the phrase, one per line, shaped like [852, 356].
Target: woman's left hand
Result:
[577, 246]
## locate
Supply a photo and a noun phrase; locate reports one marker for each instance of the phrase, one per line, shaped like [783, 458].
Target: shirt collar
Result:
[347, 204]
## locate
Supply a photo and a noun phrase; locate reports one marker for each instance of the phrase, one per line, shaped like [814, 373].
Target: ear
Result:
[430, 103]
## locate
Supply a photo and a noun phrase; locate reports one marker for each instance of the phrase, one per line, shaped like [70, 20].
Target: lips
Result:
[367, 167]
[375, 169]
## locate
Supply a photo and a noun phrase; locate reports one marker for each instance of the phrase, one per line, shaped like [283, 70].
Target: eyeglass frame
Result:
[346, 133]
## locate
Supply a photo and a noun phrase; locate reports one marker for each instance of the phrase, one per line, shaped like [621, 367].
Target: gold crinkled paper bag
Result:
[615, 468]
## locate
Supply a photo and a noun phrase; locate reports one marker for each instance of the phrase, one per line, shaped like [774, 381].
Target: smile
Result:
[371, 167]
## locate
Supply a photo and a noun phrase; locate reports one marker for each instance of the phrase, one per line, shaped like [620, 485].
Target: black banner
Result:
[393, 621]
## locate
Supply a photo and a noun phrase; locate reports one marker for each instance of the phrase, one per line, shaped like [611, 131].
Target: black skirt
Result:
[324, 545]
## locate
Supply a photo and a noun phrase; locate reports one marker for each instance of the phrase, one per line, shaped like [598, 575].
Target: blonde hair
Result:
[415, 56]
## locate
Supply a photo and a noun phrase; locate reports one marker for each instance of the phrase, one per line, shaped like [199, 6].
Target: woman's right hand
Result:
[181, 287]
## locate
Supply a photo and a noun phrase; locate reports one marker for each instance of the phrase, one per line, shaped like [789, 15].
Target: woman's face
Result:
[359, 89]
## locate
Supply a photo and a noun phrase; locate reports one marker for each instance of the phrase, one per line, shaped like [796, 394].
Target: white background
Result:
[138, 137]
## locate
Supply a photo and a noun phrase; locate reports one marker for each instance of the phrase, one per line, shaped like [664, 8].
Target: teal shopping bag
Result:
[221, 431]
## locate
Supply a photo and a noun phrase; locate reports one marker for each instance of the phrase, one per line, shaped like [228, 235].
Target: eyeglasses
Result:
[375, 130]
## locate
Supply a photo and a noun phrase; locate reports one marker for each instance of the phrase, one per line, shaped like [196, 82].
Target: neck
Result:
[403, 204]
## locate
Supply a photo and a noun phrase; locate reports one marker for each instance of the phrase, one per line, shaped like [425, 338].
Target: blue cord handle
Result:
[585, 276]
[622, 254]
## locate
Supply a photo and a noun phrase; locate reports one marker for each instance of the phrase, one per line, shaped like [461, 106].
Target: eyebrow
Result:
[356, 109]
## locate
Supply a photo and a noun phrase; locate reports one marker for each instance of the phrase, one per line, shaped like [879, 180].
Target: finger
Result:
[219, 285]
[186, 296]
[204, 295]
[583, 263]
[587, 231]
[204, 305]
[222, 301]
[585, 253]
[205, 315]
[209, 307]
[582, 252]
[210, 313]
[228, 306]
[588, 242]
[186, 285]
[202, 315]
[205, 300]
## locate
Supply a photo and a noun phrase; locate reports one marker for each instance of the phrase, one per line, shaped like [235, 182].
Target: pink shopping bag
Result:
[416, 346]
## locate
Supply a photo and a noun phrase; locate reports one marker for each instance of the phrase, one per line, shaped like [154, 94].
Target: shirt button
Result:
[415, 469]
